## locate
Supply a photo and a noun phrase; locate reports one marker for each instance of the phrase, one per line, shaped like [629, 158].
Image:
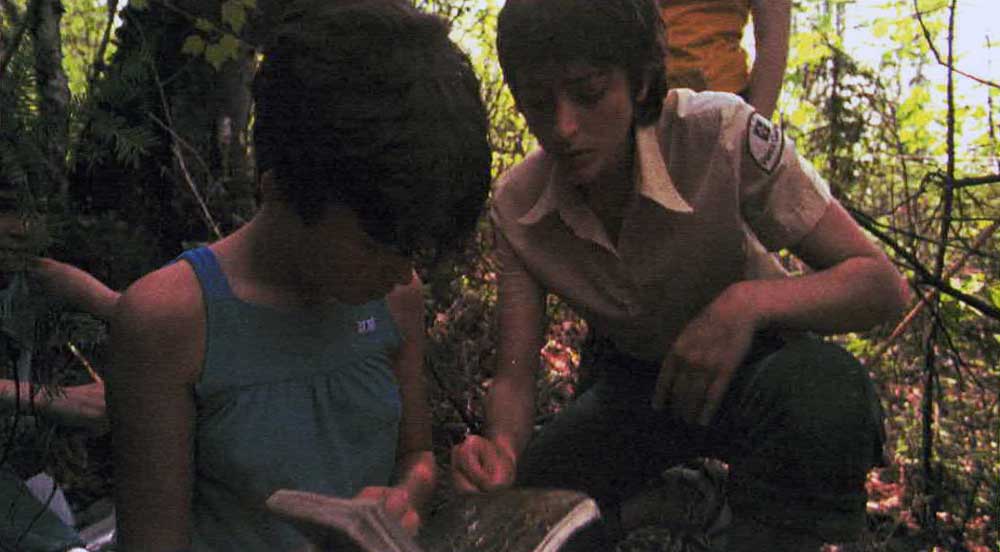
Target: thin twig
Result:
[180, 140]
[924, 276]
[176, 149]
[194, 191]
[86, 363]
[949, 64]
[958, 248]
[927, 297]
[206, 214]
[931, 468]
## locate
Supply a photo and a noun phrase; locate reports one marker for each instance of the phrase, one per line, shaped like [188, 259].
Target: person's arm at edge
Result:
[771, 22]
[157, 341]
[76, 287]
[484, 464]
[81, 406]
[416, 470]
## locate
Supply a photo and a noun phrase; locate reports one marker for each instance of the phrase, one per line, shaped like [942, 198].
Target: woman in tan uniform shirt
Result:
[651, 213]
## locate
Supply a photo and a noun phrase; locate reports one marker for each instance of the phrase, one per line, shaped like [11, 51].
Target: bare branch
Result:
[194, 191]
[209, 220]
[924, 275]
[976, 181]
[927, 297]
[937, 55]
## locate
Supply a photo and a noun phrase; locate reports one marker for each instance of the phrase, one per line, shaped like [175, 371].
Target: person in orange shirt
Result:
[704, 51]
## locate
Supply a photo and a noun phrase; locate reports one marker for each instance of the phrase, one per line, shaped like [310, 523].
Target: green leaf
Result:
[216, 55]
[203, 24]
[881, 28]
[250, 4]
[994, 292]
[810, 48]
[194, 45]
[230, 45]
[139, 4]
[234, 14]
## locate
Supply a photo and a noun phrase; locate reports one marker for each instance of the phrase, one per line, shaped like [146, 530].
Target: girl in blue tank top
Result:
[289, 355]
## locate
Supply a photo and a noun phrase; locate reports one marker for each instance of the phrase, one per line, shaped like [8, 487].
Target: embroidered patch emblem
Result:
[764, 142]
[366, 326]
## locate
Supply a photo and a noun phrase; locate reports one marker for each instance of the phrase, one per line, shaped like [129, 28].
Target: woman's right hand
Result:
[479, 464]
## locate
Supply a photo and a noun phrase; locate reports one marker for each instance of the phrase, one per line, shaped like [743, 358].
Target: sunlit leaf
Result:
[234, 14]
[994, 293]
[203, 24]
[193, 45]
[881, 28]
[216, 55]
[230, 45]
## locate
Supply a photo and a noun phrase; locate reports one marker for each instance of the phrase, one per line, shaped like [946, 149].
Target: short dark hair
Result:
[620, 33]
[368, 104]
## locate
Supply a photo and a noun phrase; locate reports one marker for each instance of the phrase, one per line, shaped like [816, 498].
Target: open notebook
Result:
[512, 520]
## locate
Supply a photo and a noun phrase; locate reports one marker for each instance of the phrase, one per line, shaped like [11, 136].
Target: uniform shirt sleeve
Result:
[782, 197]
[516, 286]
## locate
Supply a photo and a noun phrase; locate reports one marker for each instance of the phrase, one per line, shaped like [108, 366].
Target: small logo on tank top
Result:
[366, 326]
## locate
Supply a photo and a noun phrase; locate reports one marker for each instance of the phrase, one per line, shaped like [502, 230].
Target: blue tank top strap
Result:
[206, 267]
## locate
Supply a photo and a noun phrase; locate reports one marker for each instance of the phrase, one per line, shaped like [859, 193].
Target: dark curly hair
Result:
[368, 104]
[619, 33]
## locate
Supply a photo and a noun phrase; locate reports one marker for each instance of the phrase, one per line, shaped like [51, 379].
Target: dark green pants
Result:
[800, 427]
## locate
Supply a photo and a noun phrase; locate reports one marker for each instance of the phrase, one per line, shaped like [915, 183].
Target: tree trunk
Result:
[53, 99]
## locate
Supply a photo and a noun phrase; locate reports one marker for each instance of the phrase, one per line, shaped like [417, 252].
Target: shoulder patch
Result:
[764, 142]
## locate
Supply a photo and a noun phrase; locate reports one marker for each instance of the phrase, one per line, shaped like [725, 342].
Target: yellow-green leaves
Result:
[234, 14]
[194, 45]
[219, 42]
[204, 25]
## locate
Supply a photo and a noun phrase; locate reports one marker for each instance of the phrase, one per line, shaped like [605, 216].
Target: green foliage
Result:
[879, 132]
[82, 31]
[219, 42]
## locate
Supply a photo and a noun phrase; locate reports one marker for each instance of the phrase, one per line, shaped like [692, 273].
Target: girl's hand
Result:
[396, 502]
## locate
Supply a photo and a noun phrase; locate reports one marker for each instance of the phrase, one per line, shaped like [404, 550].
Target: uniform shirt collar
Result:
[651, 180]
